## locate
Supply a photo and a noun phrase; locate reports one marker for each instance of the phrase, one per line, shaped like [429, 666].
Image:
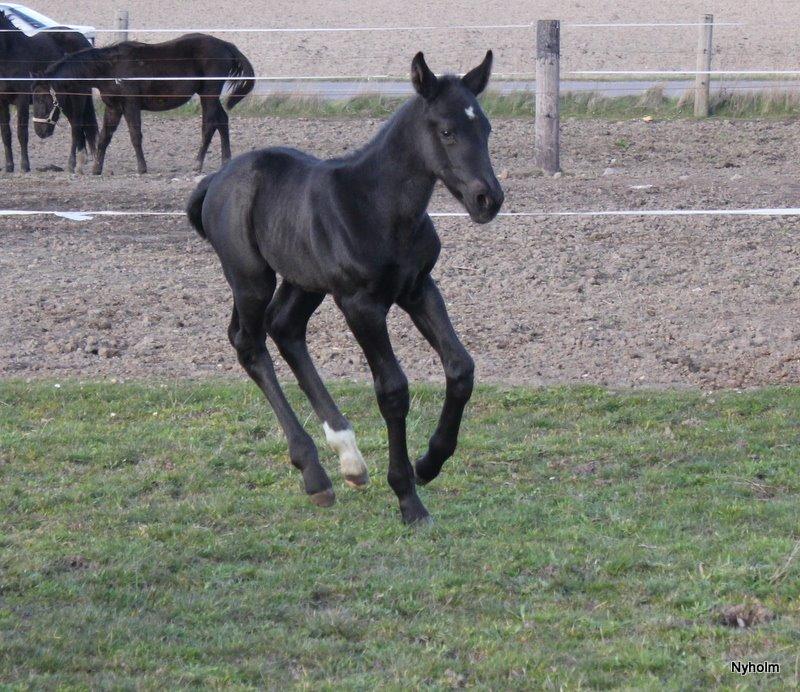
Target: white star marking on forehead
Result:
[470, 113]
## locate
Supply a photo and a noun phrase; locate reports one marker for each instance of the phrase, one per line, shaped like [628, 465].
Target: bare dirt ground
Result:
[698, 301]
[759, 44]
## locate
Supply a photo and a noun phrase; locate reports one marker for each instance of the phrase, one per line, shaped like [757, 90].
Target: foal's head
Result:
[46, 109]
[455, 140]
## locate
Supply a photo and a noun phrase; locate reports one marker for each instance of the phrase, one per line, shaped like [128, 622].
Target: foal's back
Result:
[266, 206]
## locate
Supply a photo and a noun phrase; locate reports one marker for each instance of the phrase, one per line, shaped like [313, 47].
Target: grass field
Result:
[746, 104]
[155, 536]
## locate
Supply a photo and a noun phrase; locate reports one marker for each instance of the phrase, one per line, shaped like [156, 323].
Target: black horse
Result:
[357, 228]
[120, 73]
[27, 56]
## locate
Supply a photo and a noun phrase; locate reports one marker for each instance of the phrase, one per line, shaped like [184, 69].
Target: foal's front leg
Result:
[366, 318]
[23, 116]
[5, 134]
[77, 150]
[427, 309]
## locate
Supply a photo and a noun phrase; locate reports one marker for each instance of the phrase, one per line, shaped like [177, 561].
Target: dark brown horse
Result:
[356, 228]
[120, 73]
[28, 56]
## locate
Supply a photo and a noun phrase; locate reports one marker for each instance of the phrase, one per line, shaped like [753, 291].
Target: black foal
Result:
[355, 228]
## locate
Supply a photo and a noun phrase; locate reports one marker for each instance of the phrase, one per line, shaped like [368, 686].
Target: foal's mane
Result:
[6, 23]
[10, 32]
[397, 119]
[87, 63]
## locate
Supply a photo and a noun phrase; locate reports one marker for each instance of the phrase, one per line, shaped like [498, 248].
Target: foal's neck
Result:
[86, 63]
[391, 172]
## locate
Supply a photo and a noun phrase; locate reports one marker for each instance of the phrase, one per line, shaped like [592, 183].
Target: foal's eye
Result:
[447, 134]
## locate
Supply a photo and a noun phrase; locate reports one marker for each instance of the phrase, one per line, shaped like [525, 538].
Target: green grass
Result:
[732, 104]
[155, 536]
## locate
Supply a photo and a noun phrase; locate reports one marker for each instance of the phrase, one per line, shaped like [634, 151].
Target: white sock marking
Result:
[343, 442]
[470, 112]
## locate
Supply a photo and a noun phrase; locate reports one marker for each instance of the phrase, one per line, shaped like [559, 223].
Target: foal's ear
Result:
[422, 78]
[476, 79]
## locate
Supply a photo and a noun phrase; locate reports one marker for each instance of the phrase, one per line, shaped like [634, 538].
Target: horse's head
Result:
[6, 24]
[7, 32]
[456, 136]
[46, 109]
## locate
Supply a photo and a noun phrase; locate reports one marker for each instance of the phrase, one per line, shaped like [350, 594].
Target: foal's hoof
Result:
[414, 512]
[420, 522]
[324, 498]
[359, 482]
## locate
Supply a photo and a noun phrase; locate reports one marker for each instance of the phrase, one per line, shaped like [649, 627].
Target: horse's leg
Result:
[5, 133]
[206, 131]
[77, 144]
[287, 319]
[366, 318]
[247, 333]
[110, 123]
[73, 148]
[224, 133]
[23, 116]
[429, 313]
[89, 124]
[133, 118]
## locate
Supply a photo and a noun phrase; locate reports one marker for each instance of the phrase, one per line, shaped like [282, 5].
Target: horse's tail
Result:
[239, 74]
[194, 208]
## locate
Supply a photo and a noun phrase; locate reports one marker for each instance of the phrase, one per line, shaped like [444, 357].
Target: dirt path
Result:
[758, 44]
[709, 301]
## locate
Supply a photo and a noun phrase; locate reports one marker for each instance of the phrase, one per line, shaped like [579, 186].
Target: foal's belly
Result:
[164, 103]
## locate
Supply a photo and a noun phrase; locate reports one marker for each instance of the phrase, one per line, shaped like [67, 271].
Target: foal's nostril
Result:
[483, 201]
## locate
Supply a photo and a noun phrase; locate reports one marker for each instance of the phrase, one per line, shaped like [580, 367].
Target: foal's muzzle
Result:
[483, 200]
[52, 117]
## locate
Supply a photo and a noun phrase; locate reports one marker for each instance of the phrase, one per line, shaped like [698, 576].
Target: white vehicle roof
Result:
[31, 22]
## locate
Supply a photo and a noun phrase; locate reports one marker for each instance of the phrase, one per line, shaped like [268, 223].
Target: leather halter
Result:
[51, 118]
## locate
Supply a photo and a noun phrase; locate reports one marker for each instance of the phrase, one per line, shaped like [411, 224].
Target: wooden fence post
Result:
[546, 137]
[702, 82]
[122, 26]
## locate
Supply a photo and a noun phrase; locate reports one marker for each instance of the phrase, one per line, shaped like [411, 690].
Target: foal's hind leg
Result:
[207, 128]
[224, 134]
[5, 133]
[215, 119]
[110, 123]
[247, 333]
[287, 319]
[133, 118]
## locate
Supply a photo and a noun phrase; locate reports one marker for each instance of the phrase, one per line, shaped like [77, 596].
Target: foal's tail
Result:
[194, 208]
[240, 71]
